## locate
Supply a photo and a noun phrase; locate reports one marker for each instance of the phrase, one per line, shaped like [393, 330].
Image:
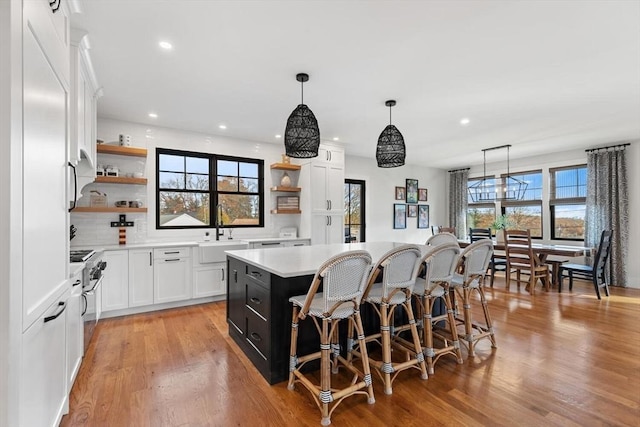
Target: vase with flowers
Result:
[500, 223]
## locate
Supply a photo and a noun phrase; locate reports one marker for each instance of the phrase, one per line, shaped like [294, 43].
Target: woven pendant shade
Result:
[390, 152]
[302, 135]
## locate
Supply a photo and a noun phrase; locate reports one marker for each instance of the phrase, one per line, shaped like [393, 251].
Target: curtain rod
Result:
[458, 170]
[591, 150]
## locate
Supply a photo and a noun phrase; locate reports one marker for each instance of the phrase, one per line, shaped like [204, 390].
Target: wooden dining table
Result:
[543, 251]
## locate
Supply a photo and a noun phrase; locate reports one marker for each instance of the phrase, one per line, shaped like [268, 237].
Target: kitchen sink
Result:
[214, 251]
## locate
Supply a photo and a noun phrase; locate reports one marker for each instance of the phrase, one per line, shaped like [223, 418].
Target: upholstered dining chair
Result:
[399, 268]
[343, 278]
[440, 262]
[498, 262]
[475, 260]
[596, 272]
[522, 260]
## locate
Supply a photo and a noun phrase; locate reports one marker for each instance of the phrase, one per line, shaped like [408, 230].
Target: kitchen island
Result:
[259, 284]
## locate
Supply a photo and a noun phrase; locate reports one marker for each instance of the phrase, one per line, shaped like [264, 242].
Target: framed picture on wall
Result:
[412, 190]
[399, 215]
[412, 211]
[423, 216]
[400, 193]
[422, 194]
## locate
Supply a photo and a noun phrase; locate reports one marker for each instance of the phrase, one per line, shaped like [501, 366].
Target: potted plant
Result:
[500, 223]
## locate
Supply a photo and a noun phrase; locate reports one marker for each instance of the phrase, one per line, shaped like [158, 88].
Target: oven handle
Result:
[55, 315]
[93, 288]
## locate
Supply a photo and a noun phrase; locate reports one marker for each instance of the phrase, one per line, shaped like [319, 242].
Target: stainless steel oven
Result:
[92, 277]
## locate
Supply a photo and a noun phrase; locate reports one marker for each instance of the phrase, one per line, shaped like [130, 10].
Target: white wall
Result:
[380, 197]
[575, 157]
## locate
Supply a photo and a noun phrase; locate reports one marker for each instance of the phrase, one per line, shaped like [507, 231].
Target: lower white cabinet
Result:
[115, 285]
[43, 382]
[209, 280]
[75, 329]
[171, 280]
[326, 229]
[140, 277]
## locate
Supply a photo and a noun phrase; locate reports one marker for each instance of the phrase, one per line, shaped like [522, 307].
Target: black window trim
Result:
[213, 185]
[553, 201]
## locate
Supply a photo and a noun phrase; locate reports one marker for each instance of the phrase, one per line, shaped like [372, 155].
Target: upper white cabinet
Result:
[329, 154]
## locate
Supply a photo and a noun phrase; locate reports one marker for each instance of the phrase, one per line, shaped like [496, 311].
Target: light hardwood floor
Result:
[562, 360]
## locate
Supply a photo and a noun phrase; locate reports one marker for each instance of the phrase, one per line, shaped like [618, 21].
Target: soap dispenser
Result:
[206, 236]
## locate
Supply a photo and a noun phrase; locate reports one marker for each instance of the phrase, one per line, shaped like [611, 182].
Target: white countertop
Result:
[305, 260]
[165, 244]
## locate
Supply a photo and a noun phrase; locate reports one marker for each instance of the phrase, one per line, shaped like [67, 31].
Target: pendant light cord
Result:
[390, 114]
[302, 92]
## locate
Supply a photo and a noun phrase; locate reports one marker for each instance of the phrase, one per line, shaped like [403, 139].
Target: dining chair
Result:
[441, 238]
[440, 264]
[343, 278]
[399, 268]
[498, 262]
[522, 260]
[475, 259]
[596, 272]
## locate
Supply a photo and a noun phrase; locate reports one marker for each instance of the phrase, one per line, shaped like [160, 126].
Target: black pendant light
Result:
[390, 152]
[302, 136]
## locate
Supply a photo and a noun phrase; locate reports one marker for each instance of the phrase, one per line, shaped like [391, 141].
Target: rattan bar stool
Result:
[475, 260]
[441, 238]
[343, 278]
[440, 262]
[399, 268]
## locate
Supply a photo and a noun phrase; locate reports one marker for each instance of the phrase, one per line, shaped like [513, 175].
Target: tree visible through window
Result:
[186, 197]
[568, 202]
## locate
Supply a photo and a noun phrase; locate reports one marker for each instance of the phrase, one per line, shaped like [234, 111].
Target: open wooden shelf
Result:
[120, 180]
[107, 209]
[285, 166]
[287, 189]
[286, 211]
[121, 151]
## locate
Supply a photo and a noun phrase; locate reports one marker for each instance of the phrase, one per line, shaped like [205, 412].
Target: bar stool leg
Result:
[452, 326]
[416, 339]
[293, 358]
[385, 339]
[325, 395]
[366, 369]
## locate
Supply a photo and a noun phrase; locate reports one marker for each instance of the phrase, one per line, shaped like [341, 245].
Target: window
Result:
[354, 210]
[568, 202]
[481, 215]
[190, 185]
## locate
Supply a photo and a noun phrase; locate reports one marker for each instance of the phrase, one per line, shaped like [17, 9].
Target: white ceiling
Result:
[543, 76]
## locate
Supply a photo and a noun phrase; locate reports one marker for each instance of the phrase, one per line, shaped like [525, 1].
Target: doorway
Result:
[354, 210]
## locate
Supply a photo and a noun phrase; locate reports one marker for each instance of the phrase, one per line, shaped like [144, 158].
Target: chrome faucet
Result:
[219, 221]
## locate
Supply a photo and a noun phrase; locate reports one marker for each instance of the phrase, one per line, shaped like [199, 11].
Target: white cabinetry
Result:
[43, 392]
[324, 178]
[115, 285]
[75, 329]
[140, 277]
[171, 275]
[209, 280]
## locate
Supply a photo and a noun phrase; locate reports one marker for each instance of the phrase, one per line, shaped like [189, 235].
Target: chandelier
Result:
[490, 190]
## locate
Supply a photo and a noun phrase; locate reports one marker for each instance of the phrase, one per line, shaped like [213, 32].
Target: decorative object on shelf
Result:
[97, 199]
[285, 181]
[412, 211]
[111, 171]
[100, 170]
[390, 152]
[412, 190]
[422, 194]
[423, 216]
[121, 204]
[286, 159]
[489, 189]
[288, 203]
[399, 215]
[302, 135]
[401, 193]
[122, 231]
[135, 204]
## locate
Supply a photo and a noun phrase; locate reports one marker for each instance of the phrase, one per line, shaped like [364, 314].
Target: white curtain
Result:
[608, 207]
[458, 201]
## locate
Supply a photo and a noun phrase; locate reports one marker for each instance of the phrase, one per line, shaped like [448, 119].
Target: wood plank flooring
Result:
[562, 360]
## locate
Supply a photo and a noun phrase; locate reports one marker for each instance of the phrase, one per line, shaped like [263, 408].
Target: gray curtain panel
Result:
[608, 207]
[458, 201]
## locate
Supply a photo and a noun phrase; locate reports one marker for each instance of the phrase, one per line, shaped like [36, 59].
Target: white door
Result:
[140, 277]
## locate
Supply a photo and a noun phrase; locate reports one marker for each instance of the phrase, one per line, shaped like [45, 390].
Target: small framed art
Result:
[422, 194]
[412, 211]
[400, 193]
[412, 190]
[399, 215]
[423, 216]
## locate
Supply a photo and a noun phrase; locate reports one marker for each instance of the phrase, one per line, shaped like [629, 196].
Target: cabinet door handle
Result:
[172, 259]
[330, 205]
[256, 337]
[327, 220]
[150, 258]
[270, 244]
[330, 221]
[235, 276]
[329, 155]
[172, 252]
[256, 300]
[255, 274]
[77, 282]
[57, 314]
[223, 274]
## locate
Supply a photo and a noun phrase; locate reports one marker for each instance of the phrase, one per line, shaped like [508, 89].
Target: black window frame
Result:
[563, 201]
[213, 191]
[347, 217]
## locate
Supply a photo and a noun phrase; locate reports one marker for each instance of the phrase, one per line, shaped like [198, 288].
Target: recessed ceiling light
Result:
[153, 115]
[222, 126]
[465, 121]
[278, 136]
[336, 138]
[166, 45]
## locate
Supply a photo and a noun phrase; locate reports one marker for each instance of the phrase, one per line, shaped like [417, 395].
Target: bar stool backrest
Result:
[441, 238]
[400, 267]
[476, 258]
[441, 262]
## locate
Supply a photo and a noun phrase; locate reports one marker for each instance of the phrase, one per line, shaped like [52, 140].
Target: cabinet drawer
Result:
[259, 276]
[258, 299]
[258, 333]
[171, 253]
[267, 245]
